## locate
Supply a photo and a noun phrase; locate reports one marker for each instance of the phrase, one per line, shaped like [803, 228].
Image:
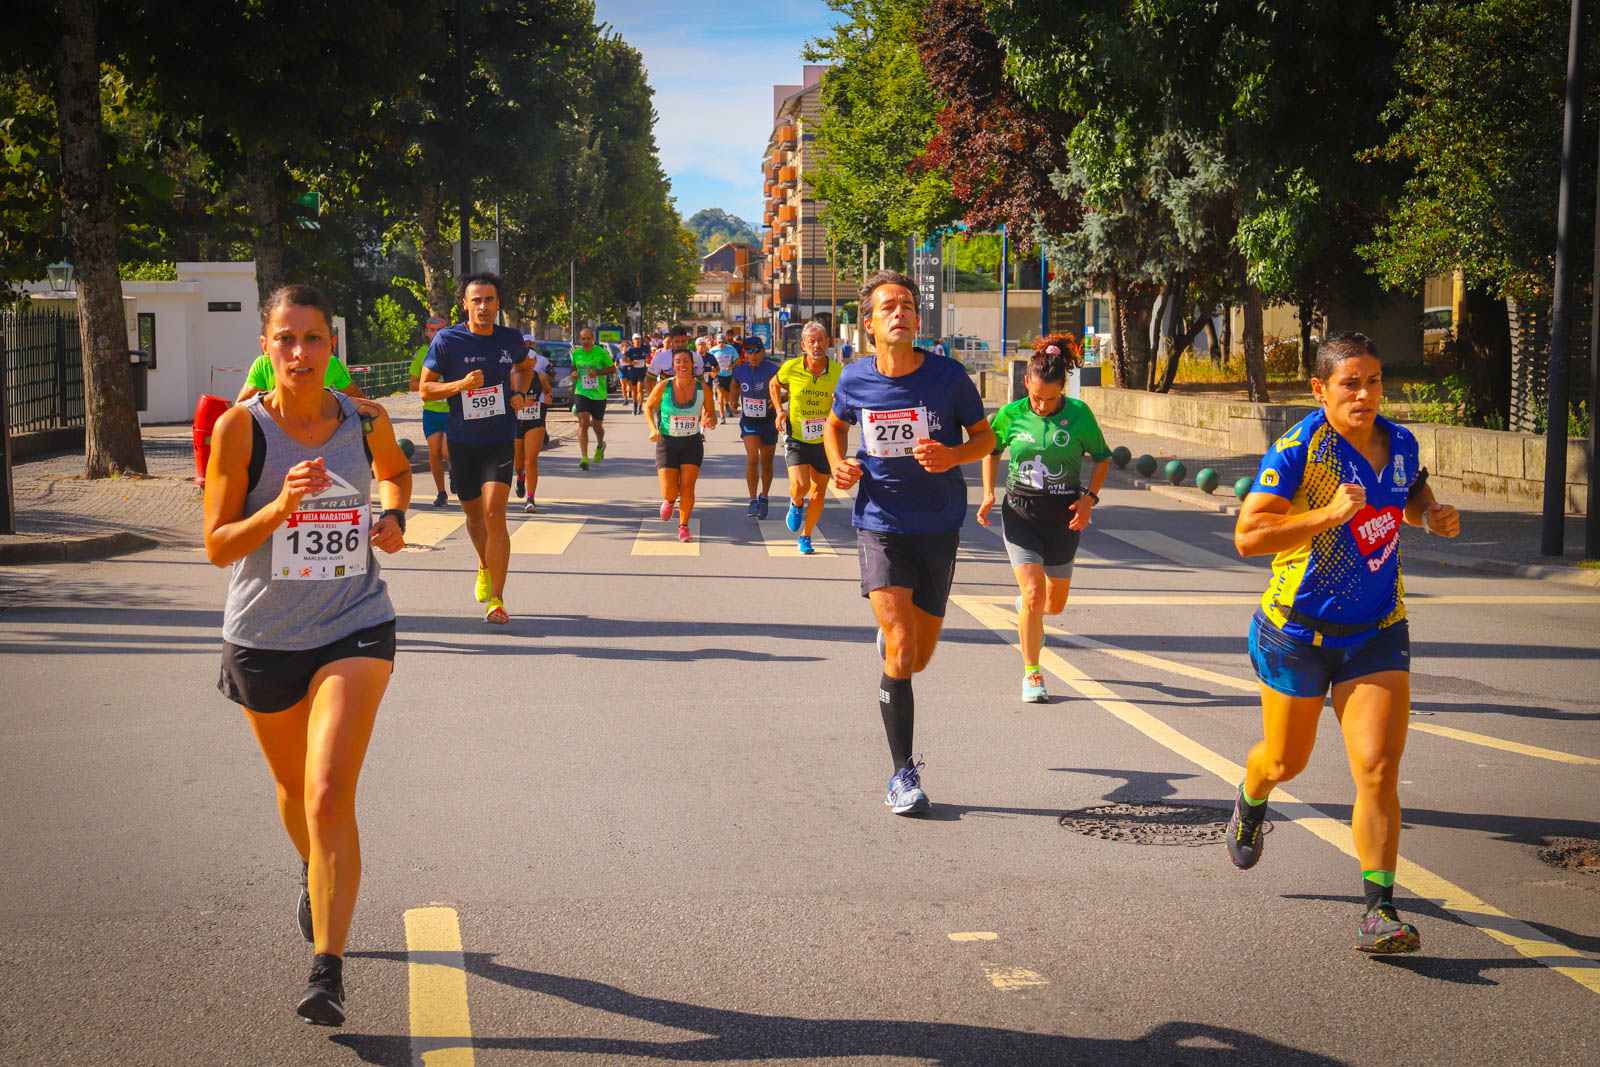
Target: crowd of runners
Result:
[309, 629]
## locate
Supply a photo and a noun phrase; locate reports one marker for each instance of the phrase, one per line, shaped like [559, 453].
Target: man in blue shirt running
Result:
[482, 371]
[920, 418]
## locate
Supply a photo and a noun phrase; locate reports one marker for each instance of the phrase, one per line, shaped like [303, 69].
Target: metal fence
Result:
[382, 379]
[44, 370]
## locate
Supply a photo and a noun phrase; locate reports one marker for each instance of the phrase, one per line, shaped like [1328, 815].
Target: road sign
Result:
[783, 316]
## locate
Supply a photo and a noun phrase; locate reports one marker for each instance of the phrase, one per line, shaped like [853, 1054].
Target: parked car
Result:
[614, 385]
[1435, 325]
[559, 353]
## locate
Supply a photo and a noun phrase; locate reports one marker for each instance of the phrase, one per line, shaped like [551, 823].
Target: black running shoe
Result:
[302, 911]
[323, 1001]
[1382, 931]
[1246, 832]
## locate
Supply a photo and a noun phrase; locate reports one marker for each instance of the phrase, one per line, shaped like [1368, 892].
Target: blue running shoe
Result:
[751, 510]
[761, 507]
[1033, 688]
[794, 517]
[805, 545]
[905, 790]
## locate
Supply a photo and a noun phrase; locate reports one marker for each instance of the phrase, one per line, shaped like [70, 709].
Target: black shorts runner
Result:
[806, 453]
[1039, 535]
[528, 422]
[474, 466]
[675, 452]
[922, 563]
[595, 408]
[270, 680]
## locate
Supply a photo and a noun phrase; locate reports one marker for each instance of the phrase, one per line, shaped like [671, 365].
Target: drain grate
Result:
[1572, 854]
[1164, 822]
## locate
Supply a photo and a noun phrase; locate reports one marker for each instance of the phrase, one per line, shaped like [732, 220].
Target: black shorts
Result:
[595, 408]
[922, 563]
[633, 374]
[807, 453]
[766, 430]
[474, 466]
[270, 680]
[675, 452]
[524, 425]
[1043, 539]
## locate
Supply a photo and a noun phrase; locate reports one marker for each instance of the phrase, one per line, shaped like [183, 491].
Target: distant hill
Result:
[715, 227]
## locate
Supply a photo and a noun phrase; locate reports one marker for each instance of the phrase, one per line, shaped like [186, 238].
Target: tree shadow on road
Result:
[748, 1036]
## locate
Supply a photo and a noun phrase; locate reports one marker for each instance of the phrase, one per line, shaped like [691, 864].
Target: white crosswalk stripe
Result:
[780, 542]
[657, 538]
[1170, 548]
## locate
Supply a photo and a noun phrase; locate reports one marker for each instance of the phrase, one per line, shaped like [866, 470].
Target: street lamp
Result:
[60, 276]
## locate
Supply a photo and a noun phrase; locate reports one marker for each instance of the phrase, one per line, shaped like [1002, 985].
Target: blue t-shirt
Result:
[1348, 575]
[937, 400]
[755, 387]
[725, 354]
[457, 351]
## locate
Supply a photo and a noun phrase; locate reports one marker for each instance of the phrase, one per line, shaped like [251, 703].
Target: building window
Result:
[147, 336]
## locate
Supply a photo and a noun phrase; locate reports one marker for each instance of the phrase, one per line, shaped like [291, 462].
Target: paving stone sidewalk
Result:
[1495, 538]
[61, 515]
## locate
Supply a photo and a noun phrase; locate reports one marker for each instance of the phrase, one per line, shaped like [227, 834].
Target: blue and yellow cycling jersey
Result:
[1337, 588]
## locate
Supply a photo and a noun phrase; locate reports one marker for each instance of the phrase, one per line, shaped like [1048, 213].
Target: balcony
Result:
[768, 189]
[788, 213]
[787, 136]
[788, 177]
[788, 293]
[786, 252]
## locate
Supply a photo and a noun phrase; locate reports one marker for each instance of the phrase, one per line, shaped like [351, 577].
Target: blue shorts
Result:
[433, 422]
[1301, 670]
[766, 429]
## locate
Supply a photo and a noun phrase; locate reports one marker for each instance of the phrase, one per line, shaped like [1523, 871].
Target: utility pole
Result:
[463, 176]
[572, 303]
[1005, 292]
[1553, 529]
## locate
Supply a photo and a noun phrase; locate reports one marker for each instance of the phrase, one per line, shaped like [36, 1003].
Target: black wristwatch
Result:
[1092, 495]
[399, 517]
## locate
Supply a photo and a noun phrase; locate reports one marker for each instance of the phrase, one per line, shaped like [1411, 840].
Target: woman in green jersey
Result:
[678, 409]
[1046, 506]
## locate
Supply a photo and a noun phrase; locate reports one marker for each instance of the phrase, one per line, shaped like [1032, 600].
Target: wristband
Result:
[399, 517]
[1092, 495]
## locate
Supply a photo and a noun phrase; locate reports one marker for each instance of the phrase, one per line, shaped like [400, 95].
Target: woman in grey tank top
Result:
[308, 630]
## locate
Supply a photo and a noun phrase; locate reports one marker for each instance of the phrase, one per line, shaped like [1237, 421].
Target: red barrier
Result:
[206, 413]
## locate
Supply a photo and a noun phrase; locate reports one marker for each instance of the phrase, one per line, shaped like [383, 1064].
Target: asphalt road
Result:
[651, 812]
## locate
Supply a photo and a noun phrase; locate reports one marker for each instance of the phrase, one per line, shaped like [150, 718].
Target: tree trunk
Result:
[1119, 376]
[1177, 345]
[111, 425]
[1483, 347]
[1138, 302]
[263, 167]
[1308, 363]
[1211, 335]
[1227, 334]
[1162, 328]
[436, 271]
[1255, 356]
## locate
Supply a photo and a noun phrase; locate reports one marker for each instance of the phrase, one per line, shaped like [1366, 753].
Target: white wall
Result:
[221, 339]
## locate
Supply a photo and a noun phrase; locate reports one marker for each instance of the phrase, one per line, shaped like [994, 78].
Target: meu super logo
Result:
[1374, 529]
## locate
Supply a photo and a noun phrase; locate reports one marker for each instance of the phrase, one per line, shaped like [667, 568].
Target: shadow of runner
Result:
[748, 1036]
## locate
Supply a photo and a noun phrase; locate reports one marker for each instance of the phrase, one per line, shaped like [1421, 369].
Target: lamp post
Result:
[60, 276]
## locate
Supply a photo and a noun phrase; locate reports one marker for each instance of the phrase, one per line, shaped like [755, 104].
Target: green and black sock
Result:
[1378, 887]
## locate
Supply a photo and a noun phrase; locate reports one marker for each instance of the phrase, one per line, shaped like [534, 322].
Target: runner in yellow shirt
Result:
[809, 381]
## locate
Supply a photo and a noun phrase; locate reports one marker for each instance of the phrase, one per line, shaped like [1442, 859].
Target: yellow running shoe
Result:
[495, 612]
[483, 588]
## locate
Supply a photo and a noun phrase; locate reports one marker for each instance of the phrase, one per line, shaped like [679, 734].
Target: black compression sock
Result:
[1374, 888]
[898, 709]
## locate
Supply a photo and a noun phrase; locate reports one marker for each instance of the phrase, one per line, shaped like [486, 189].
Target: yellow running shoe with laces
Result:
[483, 588]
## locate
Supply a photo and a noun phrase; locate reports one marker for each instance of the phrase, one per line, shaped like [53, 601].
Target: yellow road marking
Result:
[1230, 599]
[780, 542]
[545, 537]
[1514, 933]
[1013, 977]
[974, 936]
[429, 528]
[441, 1031]
[1495, 742]
[657, 538]
[840, 493]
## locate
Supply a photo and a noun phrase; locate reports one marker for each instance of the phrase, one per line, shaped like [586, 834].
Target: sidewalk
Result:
[63, 516]
[1494, 538]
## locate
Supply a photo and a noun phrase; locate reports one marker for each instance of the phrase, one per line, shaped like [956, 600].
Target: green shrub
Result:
[386, 335]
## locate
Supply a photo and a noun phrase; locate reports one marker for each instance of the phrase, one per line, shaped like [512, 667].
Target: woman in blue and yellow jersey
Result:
[1329, 501]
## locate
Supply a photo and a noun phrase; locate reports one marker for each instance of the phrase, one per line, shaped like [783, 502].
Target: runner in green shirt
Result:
[592, 367]
[1046, 505]
[261, 379]
[435, 413]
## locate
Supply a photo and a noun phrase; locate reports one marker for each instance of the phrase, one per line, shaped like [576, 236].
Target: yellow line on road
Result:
[429, 528]
[441, 1031]
[545, 537]
[1506, 746]
[840, 493]
[1180, 552]
[975, 935]
[1226, 599]
[1518, 935]
[657, 538]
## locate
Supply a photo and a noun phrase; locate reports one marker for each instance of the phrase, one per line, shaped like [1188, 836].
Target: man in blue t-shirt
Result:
[726, 356]
[482, 371]
[751, 389]
[920, 418]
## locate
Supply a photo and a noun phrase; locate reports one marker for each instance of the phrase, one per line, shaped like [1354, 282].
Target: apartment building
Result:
[804, 285]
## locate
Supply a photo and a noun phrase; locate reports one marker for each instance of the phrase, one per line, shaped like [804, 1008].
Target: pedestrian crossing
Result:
[561, 524]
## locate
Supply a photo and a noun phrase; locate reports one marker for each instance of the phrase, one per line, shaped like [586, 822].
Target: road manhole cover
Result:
[1164, 822]
[1572, 854]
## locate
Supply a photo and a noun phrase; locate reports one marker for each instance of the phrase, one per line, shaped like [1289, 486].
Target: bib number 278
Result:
[894, 433]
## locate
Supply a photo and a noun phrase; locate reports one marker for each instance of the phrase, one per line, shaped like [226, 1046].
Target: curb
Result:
[1581, 579]
[75, 549]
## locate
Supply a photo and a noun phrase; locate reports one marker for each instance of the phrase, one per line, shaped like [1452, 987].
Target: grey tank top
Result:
[305, 586]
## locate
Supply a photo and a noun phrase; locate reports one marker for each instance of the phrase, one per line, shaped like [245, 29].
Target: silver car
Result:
[559, 353]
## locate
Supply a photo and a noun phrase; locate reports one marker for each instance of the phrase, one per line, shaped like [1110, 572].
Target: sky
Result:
[712, 64]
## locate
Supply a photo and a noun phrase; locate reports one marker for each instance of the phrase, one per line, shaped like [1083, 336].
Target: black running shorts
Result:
[675, 452]
[595, 408]
[807, 454]
[473, 466]
[922, 563]
[269, 680]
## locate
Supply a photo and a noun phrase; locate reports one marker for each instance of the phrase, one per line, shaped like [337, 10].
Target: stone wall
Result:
[1461, 462]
